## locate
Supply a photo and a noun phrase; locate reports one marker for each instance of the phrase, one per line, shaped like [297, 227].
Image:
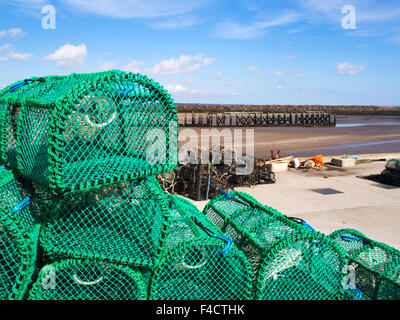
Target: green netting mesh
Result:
[88, 280]
[257, 230]
[197, 263]
[18, 239]
[302, 267]
[78, 132]
[118, 223]
[376, 265]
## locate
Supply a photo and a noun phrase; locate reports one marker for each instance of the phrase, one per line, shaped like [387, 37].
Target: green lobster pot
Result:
[18, 239]
[304, 266]
[257, 230]
[197, 261]
[375, 266]
[119, 223]
[88, 280]
[78, 132]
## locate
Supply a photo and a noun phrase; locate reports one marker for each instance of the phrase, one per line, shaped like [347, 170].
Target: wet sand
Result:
[352, 135]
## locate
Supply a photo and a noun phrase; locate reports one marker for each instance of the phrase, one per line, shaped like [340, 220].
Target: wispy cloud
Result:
[134, 8]
[234, 30]
[10, 52]
[291, 57]
[12, 33]
[298, 73]
[183, 64]
[235, 83]
[19, 56]
[253, 68]
[346, 68]
[174, 23]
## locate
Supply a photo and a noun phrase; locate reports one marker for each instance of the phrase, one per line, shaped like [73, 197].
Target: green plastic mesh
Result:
[118, 223]
[194, 265]
[302, 267]
[253, 227]
[88, 280]
[18, 239]
[376, 265]
[257, 230]
[79, 132]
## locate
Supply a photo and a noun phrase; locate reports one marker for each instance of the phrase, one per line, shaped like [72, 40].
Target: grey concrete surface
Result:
[364, 205]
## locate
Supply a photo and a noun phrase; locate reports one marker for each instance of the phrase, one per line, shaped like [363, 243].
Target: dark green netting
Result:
[88, 280]
[118, 223]
[18, 239]
[256, 230]
[302, 267]
[376, 265]
[194, 264]
[79, 132]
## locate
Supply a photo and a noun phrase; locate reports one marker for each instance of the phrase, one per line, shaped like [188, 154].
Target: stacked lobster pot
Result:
[289, 259]
[374, 266]
[19, 230]
[90, 146]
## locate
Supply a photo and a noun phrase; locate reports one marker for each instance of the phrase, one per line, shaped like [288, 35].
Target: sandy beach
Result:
[352, 135]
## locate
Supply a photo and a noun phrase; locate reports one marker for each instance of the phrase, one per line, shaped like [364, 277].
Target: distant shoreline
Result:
[338, 110]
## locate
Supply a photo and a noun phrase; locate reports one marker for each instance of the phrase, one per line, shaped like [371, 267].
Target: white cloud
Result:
[183, 64]
[134, 8]
[4, 47]
[13, 33]
[19, 56]
[235, 83]
[296, 30]
[346, 68]
[252, 68]
[284, 19]
[69, 56]
[108, 65]
[134, 66]
[176, 89]
[182, 91]
[233, 30]
[291, 57]
[218, 73]
[10, 52]
[280, 87]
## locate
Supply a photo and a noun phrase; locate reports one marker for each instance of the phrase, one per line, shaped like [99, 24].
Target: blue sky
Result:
[215, 51]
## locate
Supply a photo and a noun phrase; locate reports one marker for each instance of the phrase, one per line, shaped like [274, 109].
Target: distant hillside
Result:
[339, 110]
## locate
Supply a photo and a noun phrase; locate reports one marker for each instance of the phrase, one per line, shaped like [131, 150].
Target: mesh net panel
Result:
[88, 280]
[18, 239]
[121, 222]
[302, 267]
[193, 266]
[79, 132]
[255, 229]
[376, 265]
